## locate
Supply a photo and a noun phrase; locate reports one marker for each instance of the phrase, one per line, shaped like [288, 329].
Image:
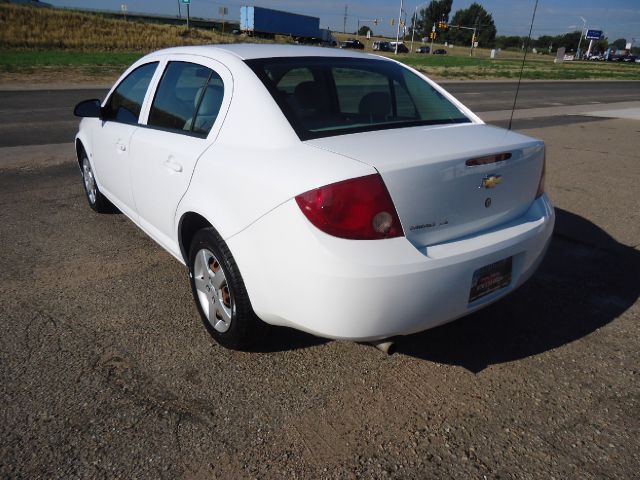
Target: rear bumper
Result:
[300, 277]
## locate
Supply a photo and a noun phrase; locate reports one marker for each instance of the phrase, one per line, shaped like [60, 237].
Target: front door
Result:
[112, 136]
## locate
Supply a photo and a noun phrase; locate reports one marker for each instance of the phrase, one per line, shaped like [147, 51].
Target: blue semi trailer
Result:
[266, 22]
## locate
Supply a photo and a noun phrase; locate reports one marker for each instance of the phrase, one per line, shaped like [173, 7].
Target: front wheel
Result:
[97, 201]
[219, 292]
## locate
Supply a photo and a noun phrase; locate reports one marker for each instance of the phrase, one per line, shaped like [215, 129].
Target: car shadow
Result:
[282, 339]
[586, 281]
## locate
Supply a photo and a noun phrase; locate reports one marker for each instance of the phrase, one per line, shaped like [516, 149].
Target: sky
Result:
[617, 18]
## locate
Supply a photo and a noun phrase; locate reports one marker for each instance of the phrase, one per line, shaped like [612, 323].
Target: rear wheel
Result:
[219, 292]
[96, 200]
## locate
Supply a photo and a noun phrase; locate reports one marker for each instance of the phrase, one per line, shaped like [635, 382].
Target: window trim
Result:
[188, 133]
[124, 77]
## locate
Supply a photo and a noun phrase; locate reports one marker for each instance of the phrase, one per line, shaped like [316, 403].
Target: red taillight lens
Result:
[541, 183]
[357, 209]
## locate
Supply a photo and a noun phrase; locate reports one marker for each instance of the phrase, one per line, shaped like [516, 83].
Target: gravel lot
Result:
[107, 371]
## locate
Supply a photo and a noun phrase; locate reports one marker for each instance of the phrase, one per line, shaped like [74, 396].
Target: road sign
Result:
[223, 11]
[593, 35]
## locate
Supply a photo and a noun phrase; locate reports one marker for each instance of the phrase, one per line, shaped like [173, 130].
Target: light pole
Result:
[584, 23]
[415, 21]
[398, 30]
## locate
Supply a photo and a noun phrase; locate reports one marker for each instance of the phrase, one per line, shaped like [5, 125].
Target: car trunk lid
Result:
[449, 181]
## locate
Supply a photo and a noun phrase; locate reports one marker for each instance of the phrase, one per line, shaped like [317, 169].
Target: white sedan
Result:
[335, 192]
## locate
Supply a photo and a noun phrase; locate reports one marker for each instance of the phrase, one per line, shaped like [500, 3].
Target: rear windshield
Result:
[327, 96]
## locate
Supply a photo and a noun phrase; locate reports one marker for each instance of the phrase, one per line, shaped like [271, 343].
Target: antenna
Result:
[524, 59]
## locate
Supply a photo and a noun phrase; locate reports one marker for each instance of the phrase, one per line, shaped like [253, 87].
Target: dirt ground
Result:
[107, 372]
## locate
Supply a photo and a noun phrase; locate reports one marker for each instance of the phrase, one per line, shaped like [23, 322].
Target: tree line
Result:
[475, 16]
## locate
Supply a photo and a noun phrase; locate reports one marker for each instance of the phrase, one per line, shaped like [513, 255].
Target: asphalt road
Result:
[106, 371]
[42, 117]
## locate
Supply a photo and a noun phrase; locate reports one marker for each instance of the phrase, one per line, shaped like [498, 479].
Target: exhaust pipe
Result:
[386, 346]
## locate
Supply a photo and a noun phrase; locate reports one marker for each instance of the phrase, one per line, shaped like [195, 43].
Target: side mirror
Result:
[88, 108]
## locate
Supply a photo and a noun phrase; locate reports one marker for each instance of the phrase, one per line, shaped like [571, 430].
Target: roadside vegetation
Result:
[40, 45]
[458, 64]
[58, 29]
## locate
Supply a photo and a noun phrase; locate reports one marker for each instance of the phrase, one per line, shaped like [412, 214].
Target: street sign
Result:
[593, 35]
[223, 11]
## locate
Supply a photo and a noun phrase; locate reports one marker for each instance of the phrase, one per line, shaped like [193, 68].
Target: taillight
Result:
[357, 209]
[541, 182]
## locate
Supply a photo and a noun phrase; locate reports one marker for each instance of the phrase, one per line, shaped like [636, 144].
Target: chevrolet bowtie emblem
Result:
[491, 181]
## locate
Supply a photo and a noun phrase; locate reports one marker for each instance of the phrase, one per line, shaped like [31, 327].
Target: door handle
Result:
[121, 147]
[172, 165]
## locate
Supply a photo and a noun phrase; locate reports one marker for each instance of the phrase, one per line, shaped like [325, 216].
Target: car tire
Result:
[97, 201]
[219, 292]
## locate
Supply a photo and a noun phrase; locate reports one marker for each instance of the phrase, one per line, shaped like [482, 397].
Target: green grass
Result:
[106, 65]
[35, 58]
[536, 68]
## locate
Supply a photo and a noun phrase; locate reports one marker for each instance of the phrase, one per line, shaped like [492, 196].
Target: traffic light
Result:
[433, 35]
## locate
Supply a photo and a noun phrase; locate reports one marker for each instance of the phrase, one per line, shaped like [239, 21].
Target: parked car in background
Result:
[440, 51]
[272, 172]
[381, 46]
[402, 48]
[352, 43]
[423, 49]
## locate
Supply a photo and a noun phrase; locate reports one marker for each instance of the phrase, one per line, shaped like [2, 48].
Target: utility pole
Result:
[413, 30]
[473, 41]
[179, 11]
[433, 37]
[344, 23]
[398, 29]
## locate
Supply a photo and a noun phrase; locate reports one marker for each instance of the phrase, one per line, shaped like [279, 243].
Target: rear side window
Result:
[125, 102]
[187, 100]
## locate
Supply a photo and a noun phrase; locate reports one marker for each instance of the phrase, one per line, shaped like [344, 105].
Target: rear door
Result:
[111, 136]
[184, 118]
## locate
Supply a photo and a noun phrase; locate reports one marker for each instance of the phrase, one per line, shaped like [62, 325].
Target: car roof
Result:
[249, 51]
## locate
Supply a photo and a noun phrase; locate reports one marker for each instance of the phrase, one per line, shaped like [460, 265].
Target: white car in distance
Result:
[335, 192]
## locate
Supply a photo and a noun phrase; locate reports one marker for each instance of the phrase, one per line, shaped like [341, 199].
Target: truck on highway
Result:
[266, 23]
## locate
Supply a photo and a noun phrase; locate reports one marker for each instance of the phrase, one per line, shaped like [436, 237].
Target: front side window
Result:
[326, 96]
[125, 102]
[187, 100]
